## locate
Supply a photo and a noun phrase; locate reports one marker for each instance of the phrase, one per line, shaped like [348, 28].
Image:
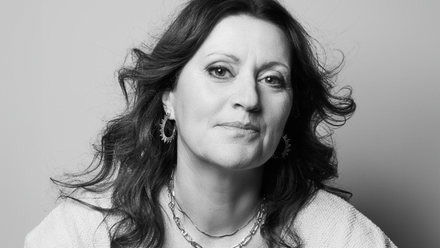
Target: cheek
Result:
[196, 106]
[280, 108]
[277, 118]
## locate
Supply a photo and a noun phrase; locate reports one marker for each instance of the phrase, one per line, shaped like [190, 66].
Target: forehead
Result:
[242, 35]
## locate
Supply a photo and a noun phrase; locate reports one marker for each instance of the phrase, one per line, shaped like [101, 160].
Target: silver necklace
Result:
[204, 232]
[189, 239]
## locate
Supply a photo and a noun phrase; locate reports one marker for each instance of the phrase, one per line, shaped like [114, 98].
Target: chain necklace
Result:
[189, 239]
[206, 233]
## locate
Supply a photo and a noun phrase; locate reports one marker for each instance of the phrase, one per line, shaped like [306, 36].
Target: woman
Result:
[219, 144]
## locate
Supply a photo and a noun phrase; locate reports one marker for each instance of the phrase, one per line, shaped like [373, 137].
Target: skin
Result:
[230, 104]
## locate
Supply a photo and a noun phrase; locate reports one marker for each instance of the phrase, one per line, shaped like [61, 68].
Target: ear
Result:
[167, 101]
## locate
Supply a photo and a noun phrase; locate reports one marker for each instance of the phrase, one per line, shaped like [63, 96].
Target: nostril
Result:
[248, 100]
[246, 92]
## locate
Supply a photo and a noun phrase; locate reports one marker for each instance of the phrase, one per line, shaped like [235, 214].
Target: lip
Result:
[249, 127]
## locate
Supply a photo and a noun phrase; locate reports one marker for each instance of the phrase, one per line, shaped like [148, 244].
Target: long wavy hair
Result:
[134, 163]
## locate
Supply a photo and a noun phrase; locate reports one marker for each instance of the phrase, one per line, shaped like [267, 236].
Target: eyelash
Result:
[212, 70]
[280, 84]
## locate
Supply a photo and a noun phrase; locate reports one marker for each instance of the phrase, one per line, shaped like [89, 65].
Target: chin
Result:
[235, 159]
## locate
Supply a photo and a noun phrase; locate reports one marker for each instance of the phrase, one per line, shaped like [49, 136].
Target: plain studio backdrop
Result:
[58, 60]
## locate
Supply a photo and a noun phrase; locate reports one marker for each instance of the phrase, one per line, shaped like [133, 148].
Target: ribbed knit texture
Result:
[326, 222]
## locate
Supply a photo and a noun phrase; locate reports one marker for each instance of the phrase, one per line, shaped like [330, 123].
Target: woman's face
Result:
[234, 96]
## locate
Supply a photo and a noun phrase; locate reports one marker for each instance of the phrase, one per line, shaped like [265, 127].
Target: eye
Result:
[219, 71]
[274, 81]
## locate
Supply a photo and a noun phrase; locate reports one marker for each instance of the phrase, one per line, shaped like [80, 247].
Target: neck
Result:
[218, 200]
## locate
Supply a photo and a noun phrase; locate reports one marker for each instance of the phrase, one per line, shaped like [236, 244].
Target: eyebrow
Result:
[274, 63]
[265, 65]
[234, 58]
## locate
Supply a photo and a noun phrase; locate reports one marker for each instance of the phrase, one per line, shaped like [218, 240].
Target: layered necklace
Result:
[172, 205]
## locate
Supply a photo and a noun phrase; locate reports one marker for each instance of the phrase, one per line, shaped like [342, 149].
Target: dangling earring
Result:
[163, 136]
[286, 149]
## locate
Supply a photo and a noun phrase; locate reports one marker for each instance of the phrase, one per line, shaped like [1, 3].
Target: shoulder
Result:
[329, 221]
[72, 224]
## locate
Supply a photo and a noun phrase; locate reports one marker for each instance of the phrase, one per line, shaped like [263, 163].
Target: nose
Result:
[247, 95]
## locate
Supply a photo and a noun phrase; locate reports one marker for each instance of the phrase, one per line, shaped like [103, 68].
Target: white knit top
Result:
[327, 221]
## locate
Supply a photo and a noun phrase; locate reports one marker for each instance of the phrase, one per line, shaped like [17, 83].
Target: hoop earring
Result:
[286, 149]
[163, 136]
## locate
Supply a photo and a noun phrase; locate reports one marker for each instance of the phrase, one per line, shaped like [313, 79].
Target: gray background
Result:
[57, 64]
